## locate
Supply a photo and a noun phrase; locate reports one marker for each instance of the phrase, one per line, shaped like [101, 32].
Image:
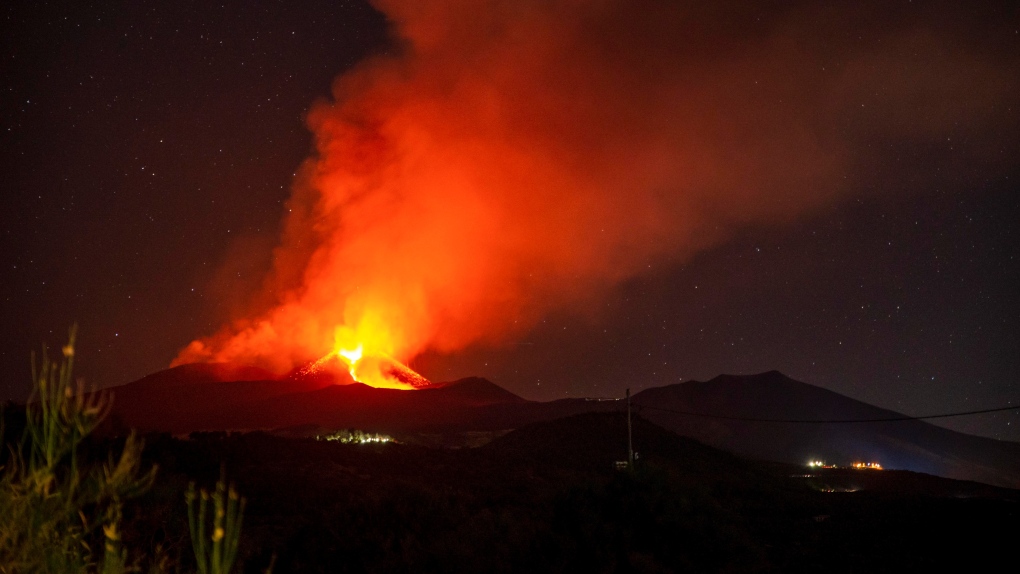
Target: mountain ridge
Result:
[181, 405]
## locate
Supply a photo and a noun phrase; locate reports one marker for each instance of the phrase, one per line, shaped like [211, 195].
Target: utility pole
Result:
[630, 439]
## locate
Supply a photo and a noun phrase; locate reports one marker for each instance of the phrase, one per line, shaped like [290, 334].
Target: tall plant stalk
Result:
[215, 538]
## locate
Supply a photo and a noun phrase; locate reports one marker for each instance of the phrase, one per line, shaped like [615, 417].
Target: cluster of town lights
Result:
[857, 465]
[355, 437]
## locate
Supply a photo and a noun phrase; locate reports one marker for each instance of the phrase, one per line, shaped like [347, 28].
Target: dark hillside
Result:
[911, 445]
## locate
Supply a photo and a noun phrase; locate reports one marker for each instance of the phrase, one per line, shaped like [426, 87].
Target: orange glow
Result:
[508, 160]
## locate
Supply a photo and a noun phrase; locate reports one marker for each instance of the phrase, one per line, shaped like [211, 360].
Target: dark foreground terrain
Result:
[545, 498]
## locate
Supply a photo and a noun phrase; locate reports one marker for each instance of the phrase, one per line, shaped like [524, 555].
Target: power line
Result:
[832, 421]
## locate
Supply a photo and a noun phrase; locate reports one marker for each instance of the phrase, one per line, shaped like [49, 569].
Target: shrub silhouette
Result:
[59, 513]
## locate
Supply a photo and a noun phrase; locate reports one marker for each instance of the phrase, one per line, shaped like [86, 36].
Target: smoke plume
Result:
[508, 158]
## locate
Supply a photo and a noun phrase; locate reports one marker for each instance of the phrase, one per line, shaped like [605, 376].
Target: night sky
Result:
[149, 149]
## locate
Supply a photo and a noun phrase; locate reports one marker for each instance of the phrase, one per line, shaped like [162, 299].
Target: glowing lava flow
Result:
[380, 370]
[373, 369]
[352, 358]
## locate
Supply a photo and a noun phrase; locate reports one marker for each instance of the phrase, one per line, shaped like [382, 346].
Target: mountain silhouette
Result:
[191, 398]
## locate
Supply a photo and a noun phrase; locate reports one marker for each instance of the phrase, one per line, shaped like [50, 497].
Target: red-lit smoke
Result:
[510, 158]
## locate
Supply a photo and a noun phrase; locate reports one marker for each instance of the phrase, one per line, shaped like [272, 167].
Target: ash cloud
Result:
[510, 158]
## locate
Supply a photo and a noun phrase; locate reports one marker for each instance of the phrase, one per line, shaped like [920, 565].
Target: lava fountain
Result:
[375, 368]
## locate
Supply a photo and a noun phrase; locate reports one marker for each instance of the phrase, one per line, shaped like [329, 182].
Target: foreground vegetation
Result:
[62, 511]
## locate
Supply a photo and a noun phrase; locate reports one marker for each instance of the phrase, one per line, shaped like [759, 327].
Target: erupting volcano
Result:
[373, 366]
[375, 370]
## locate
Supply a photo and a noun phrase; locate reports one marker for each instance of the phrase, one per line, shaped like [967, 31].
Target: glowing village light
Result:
[353, 436]
[856, 465]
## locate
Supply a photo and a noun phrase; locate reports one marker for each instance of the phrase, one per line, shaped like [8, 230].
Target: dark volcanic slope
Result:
[197, 373]
[911, 445]
[193, 397]
[190, 397]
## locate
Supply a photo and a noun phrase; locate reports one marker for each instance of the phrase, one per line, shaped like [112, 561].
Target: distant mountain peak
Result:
[767, 376]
